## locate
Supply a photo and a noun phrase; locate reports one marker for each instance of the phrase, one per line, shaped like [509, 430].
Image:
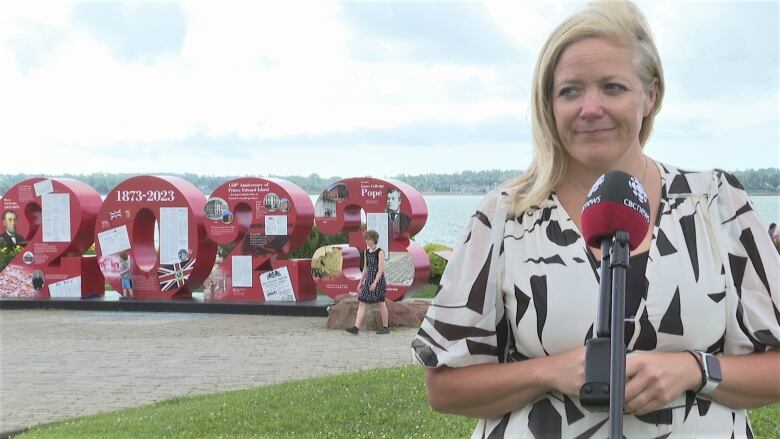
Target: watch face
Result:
[713, 368]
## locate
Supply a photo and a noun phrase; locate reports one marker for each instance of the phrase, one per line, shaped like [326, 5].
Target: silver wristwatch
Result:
[711, 374]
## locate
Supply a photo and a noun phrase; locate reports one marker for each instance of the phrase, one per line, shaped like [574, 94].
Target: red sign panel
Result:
[264, 220]
[141, 209]
[163, 233]
[395, 210]
[53, 221]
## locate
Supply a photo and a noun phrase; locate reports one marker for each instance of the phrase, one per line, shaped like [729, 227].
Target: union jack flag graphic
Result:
[174, 276]
[114, 214]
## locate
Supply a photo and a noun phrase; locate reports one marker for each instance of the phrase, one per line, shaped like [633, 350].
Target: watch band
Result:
[710, 383]
[701, 370]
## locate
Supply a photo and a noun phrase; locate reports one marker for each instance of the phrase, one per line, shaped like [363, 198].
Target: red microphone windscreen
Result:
[617, 201]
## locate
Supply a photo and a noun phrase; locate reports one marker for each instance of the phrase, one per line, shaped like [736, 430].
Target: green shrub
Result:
[317, 239]
[7, 254]
[437, 262]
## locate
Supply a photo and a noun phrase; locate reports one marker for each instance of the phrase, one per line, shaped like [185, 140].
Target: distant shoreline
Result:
[442, 193]
[763, 193]
[751, 193]
[454, 193]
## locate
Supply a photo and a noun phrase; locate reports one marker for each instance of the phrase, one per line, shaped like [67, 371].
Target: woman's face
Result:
[599, 101]
[370, 243]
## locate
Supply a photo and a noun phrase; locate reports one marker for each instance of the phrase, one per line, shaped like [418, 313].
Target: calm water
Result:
[448, 215]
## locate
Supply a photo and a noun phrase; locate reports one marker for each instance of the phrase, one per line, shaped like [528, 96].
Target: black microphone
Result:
[617, 201]
[615, 217]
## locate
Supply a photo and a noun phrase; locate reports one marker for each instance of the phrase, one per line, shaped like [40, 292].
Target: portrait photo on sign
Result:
[284, 205]
[10, 238]
[38, 280]
[396, 220]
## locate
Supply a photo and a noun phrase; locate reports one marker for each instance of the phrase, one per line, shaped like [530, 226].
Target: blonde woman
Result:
[503, 339]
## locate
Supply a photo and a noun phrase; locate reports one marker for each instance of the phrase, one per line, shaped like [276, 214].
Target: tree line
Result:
[754, 180]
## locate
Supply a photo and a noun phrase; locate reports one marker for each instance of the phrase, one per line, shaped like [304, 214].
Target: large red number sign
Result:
[167, 232]
[141, 209]
[54, 221]
[265, 219]
[395, 210]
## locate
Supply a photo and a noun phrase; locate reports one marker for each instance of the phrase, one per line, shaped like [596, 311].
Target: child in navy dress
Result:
[372, 283]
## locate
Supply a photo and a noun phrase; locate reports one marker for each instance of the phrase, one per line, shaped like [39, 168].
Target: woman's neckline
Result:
[641, 254]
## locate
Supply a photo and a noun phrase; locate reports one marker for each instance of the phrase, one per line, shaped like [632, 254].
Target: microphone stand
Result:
[605, 354]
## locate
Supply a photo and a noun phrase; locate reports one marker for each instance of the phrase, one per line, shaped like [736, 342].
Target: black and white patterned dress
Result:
[712, 283]
[372, 266]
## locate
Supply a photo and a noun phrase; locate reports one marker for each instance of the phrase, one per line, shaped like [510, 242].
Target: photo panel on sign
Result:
[327, 262]
[325, 206]
[399, 268]
[277, 285]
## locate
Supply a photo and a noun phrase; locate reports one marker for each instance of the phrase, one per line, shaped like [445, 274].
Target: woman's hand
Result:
[566, 373]
[373, 287]
[653, 379]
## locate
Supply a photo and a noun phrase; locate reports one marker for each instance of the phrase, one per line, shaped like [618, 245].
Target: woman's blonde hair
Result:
[619, 21]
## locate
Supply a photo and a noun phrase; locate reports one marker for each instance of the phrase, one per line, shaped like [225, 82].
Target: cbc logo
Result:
[639, 191]
[596, 186]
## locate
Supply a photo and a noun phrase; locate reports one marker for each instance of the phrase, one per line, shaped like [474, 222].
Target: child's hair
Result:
[372, 235]
[123, 256]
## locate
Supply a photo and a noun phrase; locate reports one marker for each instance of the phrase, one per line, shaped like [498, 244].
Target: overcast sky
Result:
[349, 89]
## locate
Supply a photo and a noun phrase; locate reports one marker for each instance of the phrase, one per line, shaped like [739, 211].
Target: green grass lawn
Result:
[385, 403]
[427, 292]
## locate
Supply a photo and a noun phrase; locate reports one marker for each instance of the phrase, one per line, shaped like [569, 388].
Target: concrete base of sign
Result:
[111, 302]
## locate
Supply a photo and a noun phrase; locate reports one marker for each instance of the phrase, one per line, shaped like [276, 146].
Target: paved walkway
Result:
[61, 364]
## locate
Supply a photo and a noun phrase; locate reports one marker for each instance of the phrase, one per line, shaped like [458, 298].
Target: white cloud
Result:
[529, 23]
[267, 72]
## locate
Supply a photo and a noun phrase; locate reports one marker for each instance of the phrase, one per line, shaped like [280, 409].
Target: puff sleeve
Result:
[465, 322]
[752, 268]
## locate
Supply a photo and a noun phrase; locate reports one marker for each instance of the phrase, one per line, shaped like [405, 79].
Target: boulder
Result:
[407, 313]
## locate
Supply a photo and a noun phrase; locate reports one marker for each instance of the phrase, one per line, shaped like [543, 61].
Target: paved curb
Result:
[314, 308]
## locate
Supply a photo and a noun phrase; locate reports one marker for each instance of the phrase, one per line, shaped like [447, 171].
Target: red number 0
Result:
[126, 225]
